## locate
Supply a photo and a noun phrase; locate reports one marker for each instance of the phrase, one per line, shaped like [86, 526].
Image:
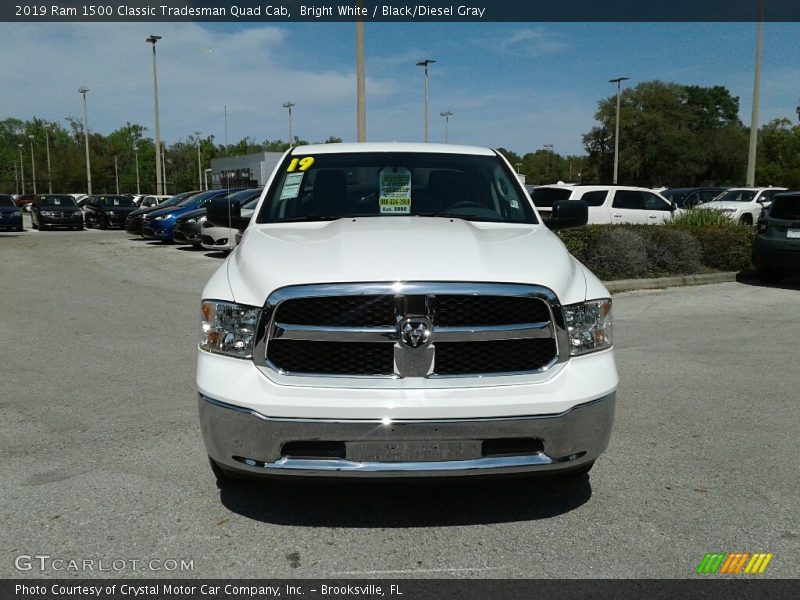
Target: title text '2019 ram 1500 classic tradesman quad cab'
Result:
[401, 310]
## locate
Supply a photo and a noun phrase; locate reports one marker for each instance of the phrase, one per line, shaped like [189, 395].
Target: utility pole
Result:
[289, 105]
[85, 91]
[136, 154]
[153, 39]
[199, 166]
[116, 173]
[33, 164]
[751, 152]
[425, 63]
[49, 171]
[446, 114]
[22, 168]
[618, 81]
[361, 95]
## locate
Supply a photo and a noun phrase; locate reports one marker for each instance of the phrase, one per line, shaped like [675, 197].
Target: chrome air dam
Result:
[243, 441]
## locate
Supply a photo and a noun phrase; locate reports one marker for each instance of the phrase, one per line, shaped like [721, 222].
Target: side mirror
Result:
[568, 213]
[673, 206]
[226, 213]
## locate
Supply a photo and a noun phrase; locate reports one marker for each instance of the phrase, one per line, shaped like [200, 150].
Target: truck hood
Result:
[271, 256]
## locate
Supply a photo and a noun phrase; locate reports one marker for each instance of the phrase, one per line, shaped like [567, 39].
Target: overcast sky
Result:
[517, 85]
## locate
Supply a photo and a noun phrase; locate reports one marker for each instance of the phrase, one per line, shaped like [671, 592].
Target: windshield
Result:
[196, 199]
[6, 201]
[55, 200]
[112, 201]
[382, 184]
[545, 196]
[736, 196]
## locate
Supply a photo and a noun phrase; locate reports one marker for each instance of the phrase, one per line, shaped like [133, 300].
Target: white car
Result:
[149, 200]
[402, 310]
[743, 204]
[608, 203]
[213, 237]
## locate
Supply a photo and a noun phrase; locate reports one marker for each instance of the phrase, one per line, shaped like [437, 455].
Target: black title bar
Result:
[274, 11]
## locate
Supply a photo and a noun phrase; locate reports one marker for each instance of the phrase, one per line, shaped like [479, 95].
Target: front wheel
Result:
[746, 220]
[103, 223]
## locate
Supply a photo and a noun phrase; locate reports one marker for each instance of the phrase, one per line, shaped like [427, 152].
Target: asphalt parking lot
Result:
[102, 456]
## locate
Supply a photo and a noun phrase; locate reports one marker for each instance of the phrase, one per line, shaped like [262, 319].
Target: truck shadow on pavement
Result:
[405, 504]
[790, 281]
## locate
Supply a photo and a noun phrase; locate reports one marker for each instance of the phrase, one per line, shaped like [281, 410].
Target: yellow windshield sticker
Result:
[302, 164]
[395, 191]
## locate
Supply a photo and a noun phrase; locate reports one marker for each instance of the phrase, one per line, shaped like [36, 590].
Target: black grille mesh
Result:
[338, 311]
[461, 311]
[334, 358]
[462, 358]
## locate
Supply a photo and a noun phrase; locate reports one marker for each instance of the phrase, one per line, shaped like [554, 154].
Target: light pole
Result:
[33, 164]
[289, 105]
[361, 96]
[22, 168]
[16, 177]
[84, 91]
[549, 149]
[447, 114]
[424, 64]
[136, 154]
[199, 166]
[206, 172]
[49, 172]
[751, 152]
[618, 81]
[164, 169]
[116, 173]
[153, 39]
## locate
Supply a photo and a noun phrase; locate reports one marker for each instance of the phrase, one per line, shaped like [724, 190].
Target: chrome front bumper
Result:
[242, 441]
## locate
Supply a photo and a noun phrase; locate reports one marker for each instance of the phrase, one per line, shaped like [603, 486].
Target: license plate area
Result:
[413, 451]
[793, 234]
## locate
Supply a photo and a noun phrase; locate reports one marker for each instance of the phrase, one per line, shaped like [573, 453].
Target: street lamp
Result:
[153, 39]
[33, 164]
[136, 155]
[549, 149]
[199, 166]
[47, 144]
[289, 105]
[84, 91]
[447, 114]
[751, 152]
[22, 168]
[618, 81]
[206, 172]
[424, 64]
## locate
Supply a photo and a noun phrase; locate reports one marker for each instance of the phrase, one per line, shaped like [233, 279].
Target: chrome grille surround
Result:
[416, 302]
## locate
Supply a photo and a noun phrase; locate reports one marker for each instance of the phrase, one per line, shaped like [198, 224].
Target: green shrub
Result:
[688, 244]
[617, 253]
[672, 251]
[726, 248]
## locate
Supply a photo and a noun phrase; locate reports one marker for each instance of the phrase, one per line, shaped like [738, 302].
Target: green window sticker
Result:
[291, 186]
[395, 191]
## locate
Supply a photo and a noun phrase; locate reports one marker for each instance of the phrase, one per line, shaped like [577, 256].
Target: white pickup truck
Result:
[401, 310]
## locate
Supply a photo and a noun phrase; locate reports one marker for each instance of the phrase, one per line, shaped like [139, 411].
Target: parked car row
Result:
[629, 204]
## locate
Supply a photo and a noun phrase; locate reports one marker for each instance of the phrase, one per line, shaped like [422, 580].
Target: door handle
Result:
[616, 215]
[653, 217]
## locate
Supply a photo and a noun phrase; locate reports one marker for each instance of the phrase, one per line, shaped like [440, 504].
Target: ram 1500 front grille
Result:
[424, 330]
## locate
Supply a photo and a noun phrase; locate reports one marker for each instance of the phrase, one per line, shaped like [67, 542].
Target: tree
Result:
[670, 134]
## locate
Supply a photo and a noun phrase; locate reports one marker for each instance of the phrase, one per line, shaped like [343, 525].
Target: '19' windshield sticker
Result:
[291, 186]
[395, 193]
[300, 164]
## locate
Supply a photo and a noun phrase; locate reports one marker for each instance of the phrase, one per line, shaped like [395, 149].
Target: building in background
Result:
[249, 170]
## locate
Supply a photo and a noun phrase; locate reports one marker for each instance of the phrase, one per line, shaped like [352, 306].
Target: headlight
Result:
[589, 326]
[228, 328]
[110, 213]
[196, 220]
[162, 217]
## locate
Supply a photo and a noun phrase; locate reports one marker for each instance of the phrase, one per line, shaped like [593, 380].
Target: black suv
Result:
[108, 211]
[55, 210]
[776, 247]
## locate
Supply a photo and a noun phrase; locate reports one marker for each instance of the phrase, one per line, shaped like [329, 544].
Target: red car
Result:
[24, 199]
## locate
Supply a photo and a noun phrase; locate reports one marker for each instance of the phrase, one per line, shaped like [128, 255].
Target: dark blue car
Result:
[158, 224]
[10, 213]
